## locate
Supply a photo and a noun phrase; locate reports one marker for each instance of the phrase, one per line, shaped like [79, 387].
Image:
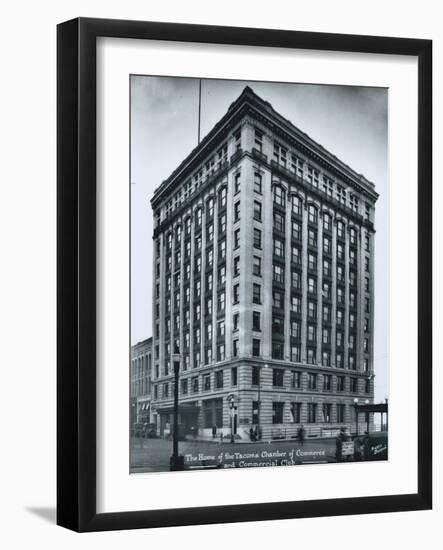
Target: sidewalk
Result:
[209, 439]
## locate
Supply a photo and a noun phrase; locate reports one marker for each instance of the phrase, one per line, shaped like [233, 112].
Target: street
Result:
[152, 455]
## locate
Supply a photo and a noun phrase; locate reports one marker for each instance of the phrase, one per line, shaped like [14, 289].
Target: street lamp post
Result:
[177, 461]
[367, 418]
[356, 415]
[232, 420]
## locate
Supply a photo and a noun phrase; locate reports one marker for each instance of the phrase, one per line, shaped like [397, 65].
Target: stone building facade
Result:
[140, 381]
[263, 282]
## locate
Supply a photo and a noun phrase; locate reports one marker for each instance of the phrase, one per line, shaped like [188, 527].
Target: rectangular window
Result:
[312, 214]
[277, 299]
[236, 238]
[255, 376]
[184, 386]
[295, 255]
[237, 182]
[256, 321]
[354, 385]
[277, 350]
[326, 314]
[258, 140]
[312, 381]
[278, 325]
[296, 413]
[279, 248]
[257, 238]
[222, 224]
[222, 275]
[221, 250]
[236, 266]
[327, 382]
[312, 356]
[277, 412]
[235, 348]
[256, 266]
[255, 347]
[279, 222]
[295, 329]
[233, 376]
[206, 382]
[278, 273]
[312, 238]
[312, 413]
[295, 304]
[326, 410]
[236, 294]
[209, 232]
[312, 333]
[295, 279]
[295, 379]
[296, 230]
[312, 310]
[340, 413]
[221, 352]
[237, 140]
[295, 354]
[296, 205]
[280, 154]
[235, 321]
[257, 211]
[219, 379]
[256, 293]
[279, 196]
[237, 211]
[312, 285]
[340, 383]
[257, 183]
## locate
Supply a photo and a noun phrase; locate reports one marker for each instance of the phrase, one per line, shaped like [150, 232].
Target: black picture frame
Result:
[76, 265]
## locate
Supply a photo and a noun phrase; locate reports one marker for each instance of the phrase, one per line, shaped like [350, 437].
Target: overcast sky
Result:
[351, 122]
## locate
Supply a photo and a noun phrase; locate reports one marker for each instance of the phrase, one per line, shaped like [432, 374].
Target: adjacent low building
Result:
[140, 382]
[263, 282]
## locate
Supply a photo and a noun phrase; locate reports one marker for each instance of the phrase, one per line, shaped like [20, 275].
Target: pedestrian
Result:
[256, 433]
[214, 432]
[251, 433]
[301, 435]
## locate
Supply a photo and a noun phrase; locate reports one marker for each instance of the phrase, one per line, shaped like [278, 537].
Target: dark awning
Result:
[372, 408]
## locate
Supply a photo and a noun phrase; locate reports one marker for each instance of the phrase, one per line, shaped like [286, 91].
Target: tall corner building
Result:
[263, 282]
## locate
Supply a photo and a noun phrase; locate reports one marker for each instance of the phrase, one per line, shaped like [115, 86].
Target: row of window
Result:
[281, 378]
[315, 413]
[281, 155]
[303, 170]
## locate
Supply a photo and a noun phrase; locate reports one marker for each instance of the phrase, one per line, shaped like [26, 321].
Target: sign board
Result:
[347, 448]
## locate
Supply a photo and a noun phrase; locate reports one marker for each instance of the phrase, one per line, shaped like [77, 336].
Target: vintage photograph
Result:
[259, 274]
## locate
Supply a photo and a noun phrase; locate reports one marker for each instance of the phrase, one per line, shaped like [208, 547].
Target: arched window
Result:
[296, 205]
[312, 214]
[279, 195]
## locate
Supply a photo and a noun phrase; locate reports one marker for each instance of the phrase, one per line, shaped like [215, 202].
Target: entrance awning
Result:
[372, 408]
